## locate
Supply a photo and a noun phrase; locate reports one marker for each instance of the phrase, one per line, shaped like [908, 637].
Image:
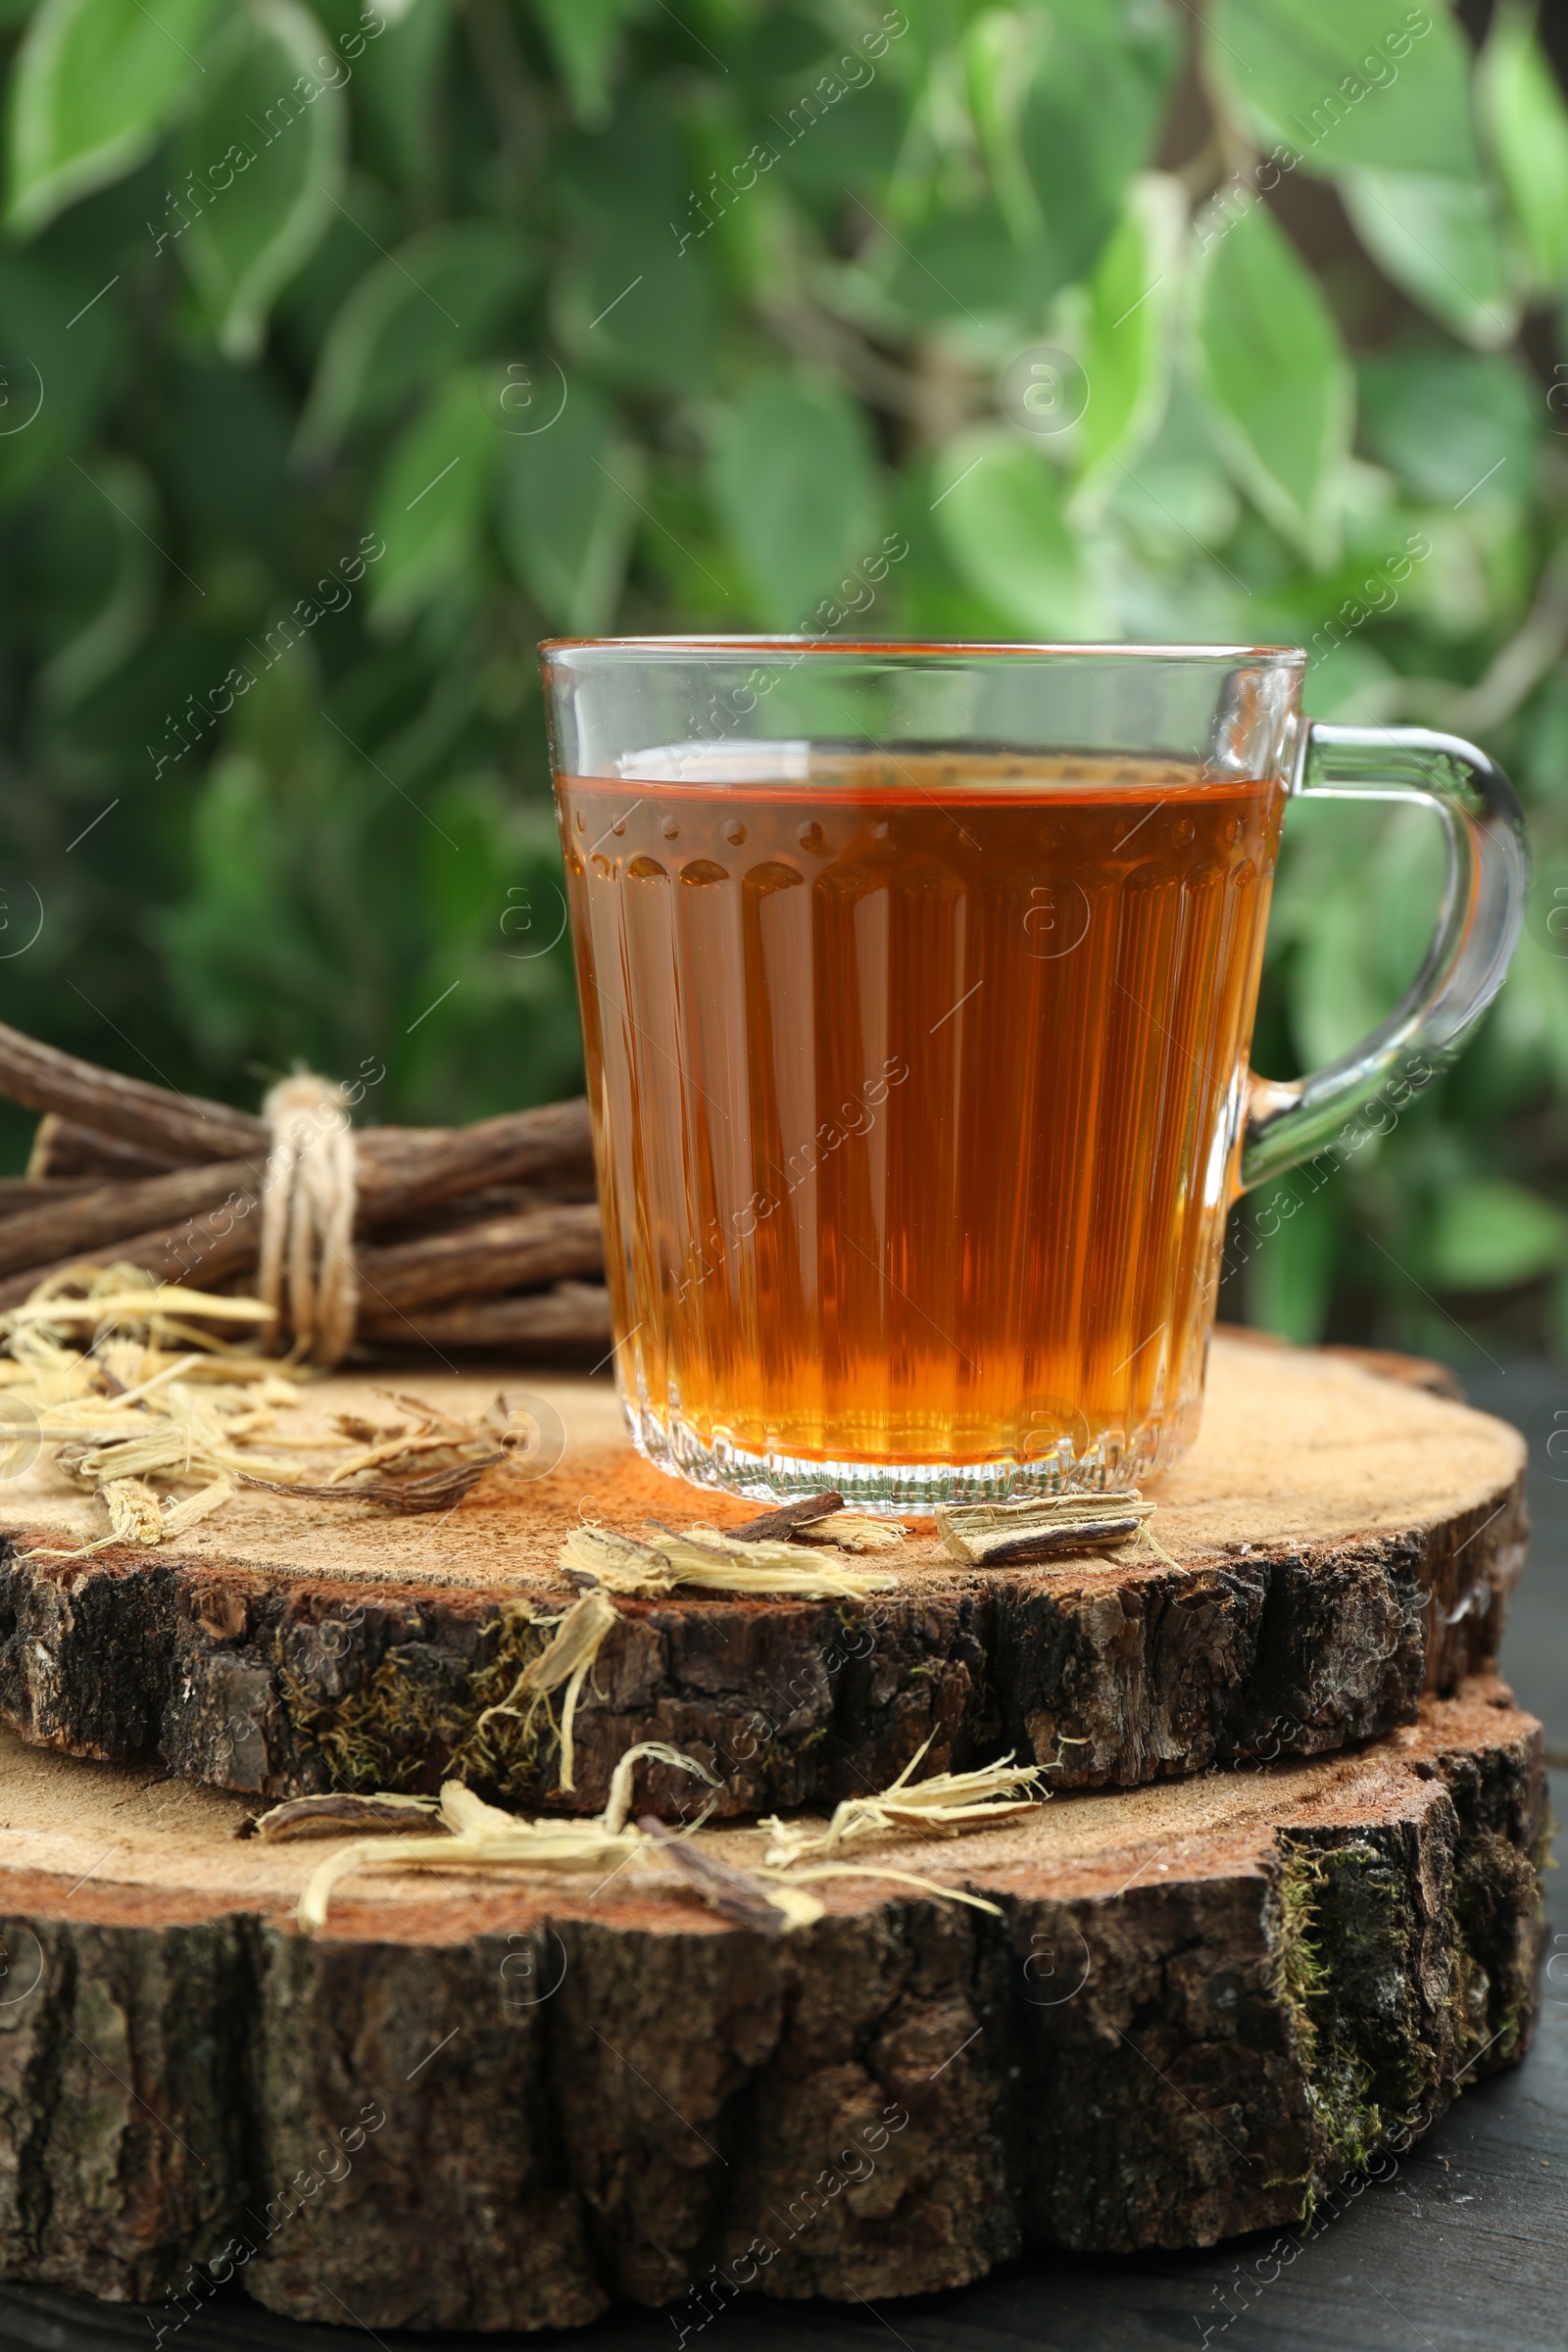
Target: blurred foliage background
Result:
[348, 350]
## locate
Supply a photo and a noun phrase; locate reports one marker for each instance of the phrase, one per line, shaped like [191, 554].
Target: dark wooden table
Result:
[1463, 2246]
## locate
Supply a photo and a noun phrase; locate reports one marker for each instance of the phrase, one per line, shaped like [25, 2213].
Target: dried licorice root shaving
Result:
[767, 1896]
[735, 1895]
[989, 1534]
[783, 1522]
[819, 1519]
[943, 1806]
[437, 1490]
[854, 1530]
[340, 1809]
[711, 1562]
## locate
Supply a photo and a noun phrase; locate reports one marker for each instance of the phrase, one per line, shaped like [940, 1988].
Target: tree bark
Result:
[57, 1231]
[501, 1253]
[570, 1314]
[402, 1169]
[218, 1238]
[63, 1146]
[1343, 1543]
[475, 2104]
[180, 1127]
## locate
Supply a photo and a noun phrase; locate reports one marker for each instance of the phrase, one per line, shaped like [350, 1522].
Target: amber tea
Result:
[918, 982]
[916, 1082]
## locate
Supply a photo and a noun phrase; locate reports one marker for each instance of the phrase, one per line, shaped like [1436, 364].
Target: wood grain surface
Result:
[499, 2105]
[1344, 1541]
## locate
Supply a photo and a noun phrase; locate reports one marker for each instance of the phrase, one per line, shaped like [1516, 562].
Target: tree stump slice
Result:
[1346, 1542]
[497, 2103]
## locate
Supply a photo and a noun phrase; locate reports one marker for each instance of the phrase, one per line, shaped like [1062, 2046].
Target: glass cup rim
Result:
[913, 649]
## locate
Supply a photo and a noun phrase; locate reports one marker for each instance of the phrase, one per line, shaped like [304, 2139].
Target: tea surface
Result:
[915, 1081]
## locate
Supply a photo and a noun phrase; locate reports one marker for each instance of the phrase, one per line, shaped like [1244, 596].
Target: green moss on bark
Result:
[1495, 1886]
[1346, 1937]
[403, 1728]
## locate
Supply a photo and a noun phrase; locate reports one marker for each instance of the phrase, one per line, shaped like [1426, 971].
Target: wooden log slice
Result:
[1345, 1542]
[499, 2103]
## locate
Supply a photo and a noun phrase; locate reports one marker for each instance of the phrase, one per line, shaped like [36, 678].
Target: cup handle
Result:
[1478, 924]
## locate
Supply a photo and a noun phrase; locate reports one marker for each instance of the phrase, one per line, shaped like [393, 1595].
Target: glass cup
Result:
[917, 986]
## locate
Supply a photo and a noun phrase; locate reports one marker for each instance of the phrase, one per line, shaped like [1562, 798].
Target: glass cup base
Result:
[898, 1490]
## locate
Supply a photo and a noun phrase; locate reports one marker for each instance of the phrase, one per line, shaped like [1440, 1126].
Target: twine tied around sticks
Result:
[306, 1273]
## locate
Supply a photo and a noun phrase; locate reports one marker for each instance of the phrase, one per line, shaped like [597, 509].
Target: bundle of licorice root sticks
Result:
[485, 1236]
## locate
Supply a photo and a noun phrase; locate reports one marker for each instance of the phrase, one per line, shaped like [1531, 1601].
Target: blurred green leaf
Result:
[96, 84]
[584, 36]
[1455, 594]
[1180, 502]
[1277, 376]
[58, 364]
[432, 498]
[1447, 421]
[777, 42]
[1352, 683]
[1133, 297]
[854, 146]
[1488, 1233]
[826, 105]
[245, 933]
[298, 845]
[999, 507]
[1439, 240]
[636, 309]
[926, 596]
[400, 88]
[1526, 123]
[496, 921]
[220, 450]
[102, 566]
[1000, 51]
[266, 150]
[1335, 1000]
[959, 264]
[631, 300]
[1342, 82]
[796, 486]
[1091, 118]
[1358, 889]
[441, 299]
[1525, 1051]
[1293, 1241]
[566, 512]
